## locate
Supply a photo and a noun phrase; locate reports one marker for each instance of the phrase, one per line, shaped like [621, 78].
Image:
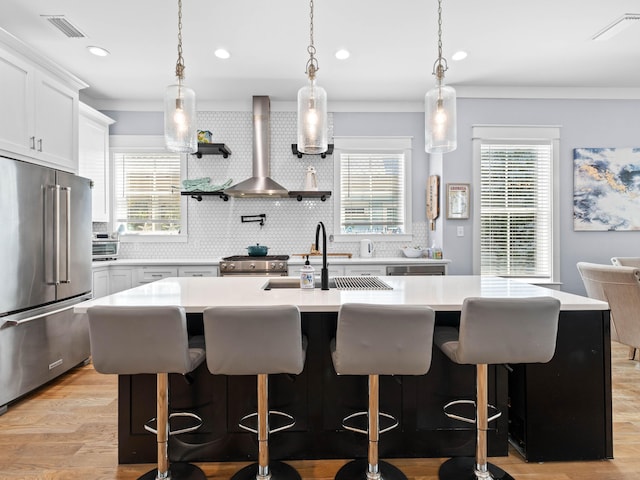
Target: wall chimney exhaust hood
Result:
[260, 184]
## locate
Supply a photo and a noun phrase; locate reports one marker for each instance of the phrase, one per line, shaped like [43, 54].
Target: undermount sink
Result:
[339, 283]
[291, 282]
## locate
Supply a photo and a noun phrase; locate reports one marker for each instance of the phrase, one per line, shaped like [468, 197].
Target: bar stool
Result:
[257, 341]
[378, 340]
[494, 331]
[151, 340]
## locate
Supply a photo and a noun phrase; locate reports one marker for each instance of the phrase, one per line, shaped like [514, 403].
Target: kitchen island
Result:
[556, 411]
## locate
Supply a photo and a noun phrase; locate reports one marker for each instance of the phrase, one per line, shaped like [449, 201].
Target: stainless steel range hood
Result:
[260, 184]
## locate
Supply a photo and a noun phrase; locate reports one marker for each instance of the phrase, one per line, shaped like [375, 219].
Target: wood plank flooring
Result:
[68, 431]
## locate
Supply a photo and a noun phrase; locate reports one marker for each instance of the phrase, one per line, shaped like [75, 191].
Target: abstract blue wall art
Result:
[606, 189]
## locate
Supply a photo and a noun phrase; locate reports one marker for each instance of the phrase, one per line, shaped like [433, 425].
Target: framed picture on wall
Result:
[457, 200]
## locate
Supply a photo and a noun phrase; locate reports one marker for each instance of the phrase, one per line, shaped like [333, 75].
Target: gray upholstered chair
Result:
[626, 261]
[378, 340]
[257, 341]
[620, 287]
[151, 340]
[494, 331]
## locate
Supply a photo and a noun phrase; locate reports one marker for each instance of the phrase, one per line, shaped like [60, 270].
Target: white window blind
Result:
[516, 201]
[147, 192]
[372, 193]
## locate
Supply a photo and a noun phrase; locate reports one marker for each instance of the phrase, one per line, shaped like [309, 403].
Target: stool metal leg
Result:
[372, 468]
[178, 471]
[265, 469]
[466, 468]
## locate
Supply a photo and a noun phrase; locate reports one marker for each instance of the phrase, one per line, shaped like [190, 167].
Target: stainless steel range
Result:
[247, 266]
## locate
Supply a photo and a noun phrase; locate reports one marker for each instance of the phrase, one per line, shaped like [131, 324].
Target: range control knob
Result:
[252, 266]
[273, 264]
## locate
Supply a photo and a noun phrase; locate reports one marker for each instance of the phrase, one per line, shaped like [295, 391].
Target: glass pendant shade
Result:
[180, 119]
[312, 119]
[440, 120]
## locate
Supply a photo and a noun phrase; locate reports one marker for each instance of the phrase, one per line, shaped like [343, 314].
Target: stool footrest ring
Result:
[271, 412]
[149, 428]
[496, 413]
[353, 428]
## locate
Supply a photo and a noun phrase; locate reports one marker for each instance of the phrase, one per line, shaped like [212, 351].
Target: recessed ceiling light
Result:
[459, 55]
[617, 26]
[222, 53]
[342, 54]
[98, 51]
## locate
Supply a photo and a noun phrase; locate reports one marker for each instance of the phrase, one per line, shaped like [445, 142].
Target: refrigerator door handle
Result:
[67, 279]
[56, 234]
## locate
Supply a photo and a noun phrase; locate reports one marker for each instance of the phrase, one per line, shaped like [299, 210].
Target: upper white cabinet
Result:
[39, 102]
[93, 158]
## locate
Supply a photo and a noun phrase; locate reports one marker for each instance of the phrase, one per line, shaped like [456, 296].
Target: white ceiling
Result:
[515, 47]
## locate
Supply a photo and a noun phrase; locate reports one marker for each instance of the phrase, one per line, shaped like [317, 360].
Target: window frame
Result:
[144, 144]
[519, 134]
[393, 145]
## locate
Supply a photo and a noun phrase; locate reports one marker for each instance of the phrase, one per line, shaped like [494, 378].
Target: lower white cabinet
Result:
[334, 270]
[365, 270]
[198, 271]
[151, 274]
[120, 278]
[100, 286]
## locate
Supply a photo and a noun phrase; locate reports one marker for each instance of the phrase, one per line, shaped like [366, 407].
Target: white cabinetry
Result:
[365, 270]
[39, 120]
[334, 270]
[120, 278]
[198, 271]
[93, 158]
[151, 274]
[100, 282]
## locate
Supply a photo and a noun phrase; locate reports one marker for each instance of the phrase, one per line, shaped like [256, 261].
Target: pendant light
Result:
[180, 107]
[312, 107]
[440, 106]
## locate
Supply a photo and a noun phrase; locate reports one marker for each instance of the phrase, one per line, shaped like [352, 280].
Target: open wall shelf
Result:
[212, 149]
[294, 149]
[300, 194]
[198, 195]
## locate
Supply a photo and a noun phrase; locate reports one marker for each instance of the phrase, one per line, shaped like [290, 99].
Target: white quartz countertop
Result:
[442, 293]
[293, 260]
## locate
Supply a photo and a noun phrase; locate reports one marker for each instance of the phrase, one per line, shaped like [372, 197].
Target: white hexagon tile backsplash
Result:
[214, 226]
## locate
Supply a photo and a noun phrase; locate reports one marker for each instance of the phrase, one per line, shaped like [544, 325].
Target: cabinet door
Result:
[120, 279]
[365, 270]
[100, 282]
[16, 105]
[56, 117]
[198, 271]
[93, 158]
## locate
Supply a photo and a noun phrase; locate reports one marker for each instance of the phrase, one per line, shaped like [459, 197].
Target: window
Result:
[516, 171]
[372, 177]
[146, 198]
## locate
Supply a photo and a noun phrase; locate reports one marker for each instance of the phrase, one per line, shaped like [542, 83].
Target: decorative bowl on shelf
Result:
[412, 252]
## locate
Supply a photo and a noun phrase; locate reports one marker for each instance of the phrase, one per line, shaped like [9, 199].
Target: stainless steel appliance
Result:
[45, 254]
[104, 247]
[409, 270]
[247, 266]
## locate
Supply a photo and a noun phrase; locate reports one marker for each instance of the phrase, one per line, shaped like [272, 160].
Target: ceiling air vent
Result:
[64, 25]
[617, 26]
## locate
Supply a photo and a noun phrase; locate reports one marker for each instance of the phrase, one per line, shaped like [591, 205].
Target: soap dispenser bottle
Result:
[307, 275]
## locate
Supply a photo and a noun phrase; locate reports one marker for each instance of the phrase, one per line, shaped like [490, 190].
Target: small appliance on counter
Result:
[366, 248]
[105, 246]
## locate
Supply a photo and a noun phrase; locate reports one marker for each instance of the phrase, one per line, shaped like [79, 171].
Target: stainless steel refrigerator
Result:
[45, 269]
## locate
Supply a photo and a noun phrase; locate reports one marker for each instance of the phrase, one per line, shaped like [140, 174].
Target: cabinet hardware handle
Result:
[33, 142]
[39, 144]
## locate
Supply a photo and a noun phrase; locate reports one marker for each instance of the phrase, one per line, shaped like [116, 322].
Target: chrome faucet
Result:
[324, 273]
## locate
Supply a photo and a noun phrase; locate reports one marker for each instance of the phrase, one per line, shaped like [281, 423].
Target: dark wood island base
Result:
[555, 411]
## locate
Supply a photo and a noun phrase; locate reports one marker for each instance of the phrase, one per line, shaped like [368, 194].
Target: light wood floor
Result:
[67, 430]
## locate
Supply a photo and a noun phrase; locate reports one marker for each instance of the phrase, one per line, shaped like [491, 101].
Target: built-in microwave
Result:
[104, 247]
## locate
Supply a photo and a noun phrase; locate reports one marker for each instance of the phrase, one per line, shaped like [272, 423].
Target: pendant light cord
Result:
[441, 63]
[180, 63]
[312, 63]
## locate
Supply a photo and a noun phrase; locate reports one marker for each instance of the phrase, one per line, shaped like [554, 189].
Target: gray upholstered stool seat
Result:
[494, 331]
[149, 340]
[378, 340]
[257, 341]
